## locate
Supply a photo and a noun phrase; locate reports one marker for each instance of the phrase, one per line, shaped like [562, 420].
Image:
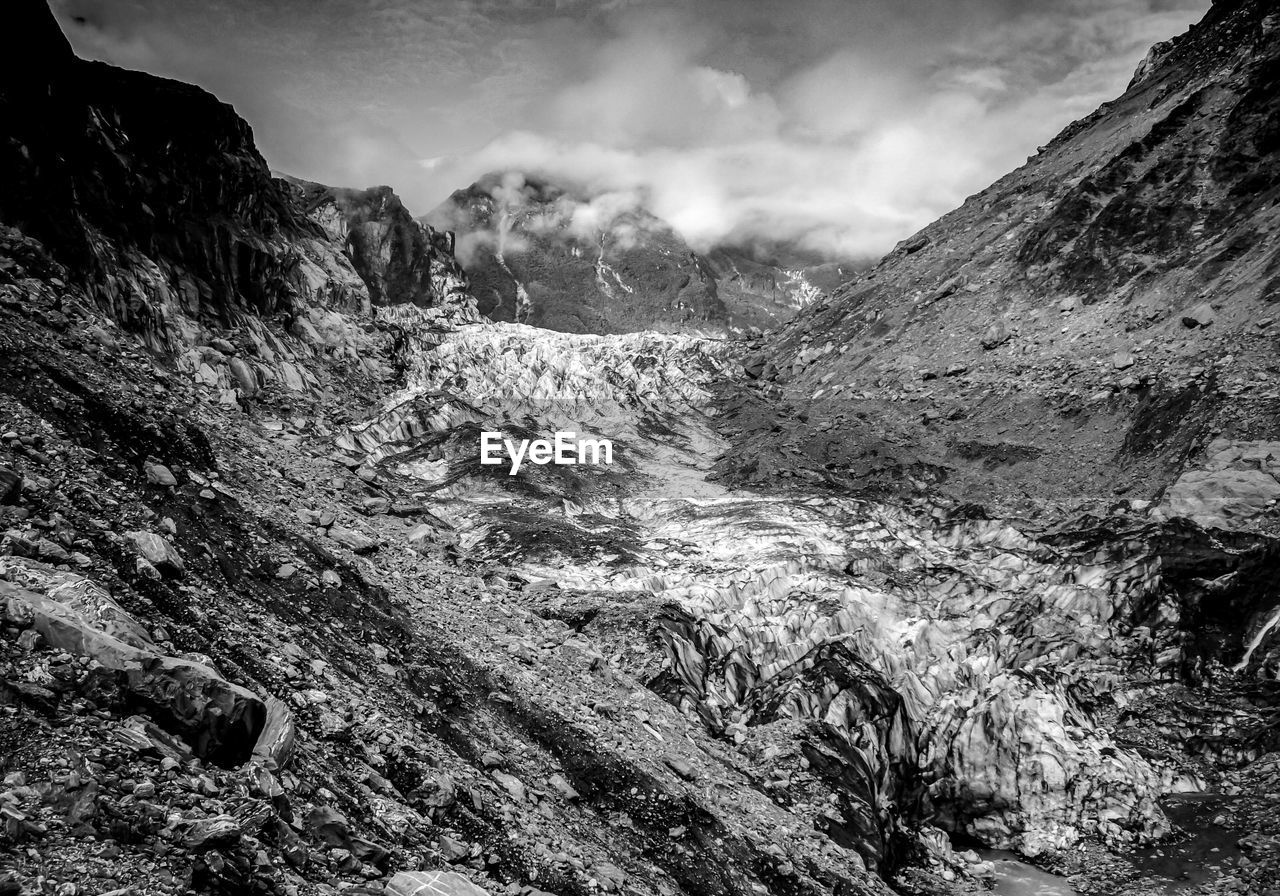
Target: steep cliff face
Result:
[154, 193]
[400, 259]
[151, 187]
[566, 259]
[1090, 321]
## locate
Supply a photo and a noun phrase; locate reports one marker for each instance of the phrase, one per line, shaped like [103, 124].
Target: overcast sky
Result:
[843, 124]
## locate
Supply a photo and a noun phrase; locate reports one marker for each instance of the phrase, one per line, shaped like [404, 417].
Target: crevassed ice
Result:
[962, 649]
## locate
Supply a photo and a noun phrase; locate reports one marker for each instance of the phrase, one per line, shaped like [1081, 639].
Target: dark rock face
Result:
[155, 193]
[400, 259]
[173, 179]
[10, 486]
[563, 259]
[45, 47]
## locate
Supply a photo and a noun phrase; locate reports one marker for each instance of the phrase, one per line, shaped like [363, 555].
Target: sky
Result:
[839, 126]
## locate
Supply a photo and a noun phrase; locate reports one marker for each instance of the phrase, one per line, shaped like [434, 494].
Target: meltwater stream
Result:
[1014, 877]
[1195, 855]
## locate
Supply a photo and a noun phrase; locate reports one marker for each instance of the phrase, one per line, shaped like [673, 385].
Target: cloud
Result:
[840, 126]
[612, 215]
[845, 155]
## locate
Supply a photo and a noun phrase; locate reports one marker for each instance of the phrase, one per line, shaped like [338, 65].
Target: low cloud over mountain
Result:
[843, 127]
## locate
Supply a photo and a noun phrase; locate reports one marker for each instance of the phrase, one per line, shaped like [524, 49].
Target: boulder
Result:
[10, 486]
[221, 721]
[562, 786]
[1222, 499]
[511, 784]
[51, 551]
[681, 767]
[157, 551]
[913, 244]
[354, 541]
[218, 832]
[452, 850]
[375, 506]
[293, 380]
[754, 365]
[102, 337]
[1122, 360]
[422, 535]
[432, 883]
[245, 377]
[159, 474]
[1201, 315]
[996, 336]
[82, 596]
[330, 825]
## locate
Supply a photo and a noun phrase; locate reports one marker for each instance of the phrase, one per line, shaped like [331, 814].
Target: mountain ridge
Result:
[570, 259]
[180, 215]
[1119, 281]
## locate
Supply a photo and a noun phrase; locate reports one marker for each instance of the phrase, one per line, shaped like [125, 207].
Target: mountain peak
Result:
[558, 255]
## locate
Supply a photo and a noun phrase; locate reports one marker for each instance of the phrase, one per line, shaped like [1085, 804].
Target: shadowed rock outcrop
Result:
[154, 193]
[400, 259]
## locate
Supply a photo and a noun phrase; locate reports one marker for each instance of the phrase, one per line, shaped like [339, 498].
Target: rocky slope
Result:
[1095, 319]
[562, 258]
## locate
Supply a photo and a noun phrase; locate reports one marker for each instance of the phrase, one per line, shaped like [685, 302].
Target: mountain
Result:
[270, 624]
[400, 259]
[562, 258]
[155, 189]
[1080, 330]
